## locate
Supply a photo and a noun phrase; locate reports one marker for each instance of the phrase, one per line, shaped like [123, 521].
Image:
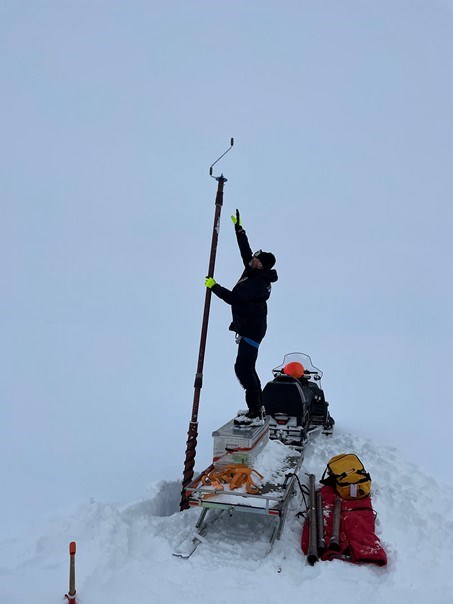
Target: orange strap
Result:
[235, 476]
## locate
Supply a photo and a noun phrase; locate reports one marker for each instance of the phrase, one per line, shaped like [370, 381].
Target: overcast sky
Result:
[111, 114]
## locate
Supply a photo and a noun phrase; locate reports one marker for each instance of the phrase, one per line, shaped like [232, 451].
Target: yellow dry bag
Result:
[346, 473]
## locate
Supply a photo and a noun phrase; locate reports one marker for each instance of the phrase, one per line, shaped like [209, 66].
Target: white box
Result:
[239, 445]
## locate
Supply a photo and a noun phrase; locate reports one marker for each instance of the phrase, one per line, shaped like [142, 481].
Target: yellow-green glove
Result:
[209, 282]
[237, 221]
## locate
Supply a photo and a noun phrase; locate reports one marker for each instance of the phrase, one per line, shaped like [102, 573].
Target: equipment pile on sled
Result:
[237, 482]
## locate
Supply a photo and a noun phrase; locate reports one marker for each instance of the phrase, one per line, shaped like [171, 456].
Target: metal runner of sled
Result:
[272, 499]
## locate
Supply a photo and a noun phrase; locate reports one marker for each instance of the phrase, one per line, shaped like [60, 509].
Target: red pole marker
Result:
[71, 595]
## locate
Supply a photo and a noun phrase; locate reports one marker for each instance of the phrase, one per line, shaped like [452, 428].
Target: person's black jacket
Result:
[248, 297]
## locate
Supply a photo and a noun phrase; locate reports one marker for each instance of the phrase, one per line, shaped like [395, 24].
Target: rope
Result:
[233, 475]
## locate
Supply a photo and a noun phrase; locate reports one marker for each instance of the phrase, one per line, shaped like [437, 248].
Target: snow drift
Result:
[125, 552]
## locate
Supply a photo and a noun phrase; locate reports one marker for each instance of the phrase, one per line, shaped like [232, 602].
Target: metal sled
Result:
[272, 500]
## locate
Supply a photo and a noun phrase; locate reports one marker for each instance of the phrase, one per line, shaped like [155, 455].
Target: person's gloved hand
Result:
[237, 221]
[209, 282]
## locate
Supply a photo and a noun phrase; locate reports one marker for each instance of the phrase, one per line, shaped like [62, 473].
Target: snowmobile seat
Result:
[285, 395]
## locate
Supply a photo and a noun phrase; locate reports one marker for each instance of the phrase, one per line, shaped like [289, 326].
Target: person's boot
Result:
[253, 417]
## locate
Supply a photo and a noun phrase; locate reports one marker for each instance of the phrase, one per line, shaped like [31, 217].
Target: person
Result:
[248, 300]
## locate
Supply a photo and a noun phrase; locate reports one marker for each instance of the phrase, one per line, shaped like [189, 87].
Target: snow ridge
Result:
[125, 552]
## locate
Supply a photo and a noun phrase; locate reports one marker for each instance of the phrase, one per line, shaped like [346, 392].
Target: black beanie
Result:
[267, 260]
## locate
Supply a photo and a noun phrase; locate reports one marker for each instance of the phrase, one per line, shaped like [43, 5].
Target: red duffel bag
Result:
[358, 541]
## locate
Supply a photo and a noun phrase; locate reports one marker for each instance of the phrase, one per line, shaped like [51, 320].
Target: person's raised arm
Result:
[243, 242]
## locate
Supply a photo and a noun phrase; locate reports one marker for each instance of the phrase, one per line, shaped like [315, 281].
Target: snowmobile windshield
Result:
[312, 373]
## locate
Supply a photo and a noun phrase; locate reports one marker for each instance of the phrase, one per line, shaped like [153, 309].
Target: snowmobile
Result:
[295, 401]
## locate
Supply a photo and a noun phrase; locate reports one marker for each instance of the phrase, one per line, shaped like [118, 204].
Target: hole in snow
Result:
[166, 498]
[163, 500]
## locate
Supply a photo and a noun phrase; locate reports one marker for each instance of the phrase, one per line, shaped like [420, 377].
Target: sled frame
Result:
[273, 499]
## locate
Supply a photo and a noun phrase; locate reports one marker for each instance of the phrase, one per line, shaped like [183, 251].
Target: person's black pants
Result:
[247, 376]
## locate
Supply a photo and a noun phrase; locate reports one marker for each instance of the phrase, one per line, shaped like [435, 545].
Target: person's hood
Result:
[270, 276]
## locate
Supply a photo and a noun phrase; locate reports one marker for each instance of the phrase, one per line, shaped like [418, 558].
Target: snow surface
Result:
[125, 552]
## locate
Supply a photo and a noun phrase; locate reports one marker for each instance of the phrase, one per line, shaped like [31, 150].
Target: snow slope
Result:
[125, 552]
